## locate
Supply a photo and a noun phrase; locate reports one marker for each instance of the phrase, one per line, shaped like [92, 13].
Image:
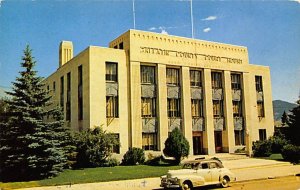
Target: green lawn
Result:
[90, 175]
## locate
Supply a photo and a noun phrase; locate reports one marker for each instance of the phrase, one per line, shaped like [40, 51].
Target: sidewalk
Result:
[244, 168]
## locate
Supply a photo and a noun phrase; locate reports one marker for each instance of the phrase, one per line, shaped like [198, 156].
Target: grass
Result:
[277, 157]
[90, 175]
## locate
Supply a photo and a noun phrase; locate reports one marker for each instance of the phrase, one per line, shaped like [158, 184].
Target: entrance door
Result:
[218, 141]
[197, 144]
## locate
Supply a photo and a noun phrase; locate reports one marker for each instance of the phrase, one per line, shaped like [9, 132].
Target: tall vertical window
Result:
[173, 76]
[54, 87]
[147, 75]
[237, 108]
[112, 110]
[148, 107]
[80, 95]
[258, 83]
[239, 137]
[216, 80]
[111, 72]
[62, 92]
[68, 104]
[260, 109]
[235, 81]
[195, 78]
[116, 148]
[149, 141]
[174, 108]
[197, 108]
[218, 108]
[262, 134]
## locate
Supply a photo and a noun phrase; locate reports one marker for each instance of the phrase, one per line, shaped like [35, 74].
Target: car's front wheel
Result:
[225, 181]
[187, 185]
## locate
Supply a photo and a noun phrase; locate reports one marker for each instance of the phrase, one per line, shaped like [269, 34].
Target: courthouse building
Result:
[146, 84]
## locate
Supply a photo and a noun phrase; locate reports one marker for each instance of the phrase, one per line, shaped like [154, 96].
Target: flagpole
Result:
[133, 9]
[192, 19]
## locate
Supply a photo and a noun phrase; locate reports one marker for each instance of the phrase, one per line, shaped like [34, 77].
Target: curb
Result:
[262, 166]
[268, 178]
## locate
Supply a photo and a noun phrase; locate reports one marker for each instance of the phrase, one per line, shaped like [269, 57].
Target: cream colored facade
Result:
[155, 82]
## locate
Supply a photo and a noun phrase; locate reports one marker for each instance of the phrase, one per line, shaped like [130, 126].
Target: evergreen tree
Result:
[30, 147]
[294, 125]
[176, 145]
[284, 119]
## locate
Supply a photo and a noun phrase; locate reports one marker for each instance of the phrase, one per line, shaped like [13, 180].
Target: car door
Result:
[204, 172]
[215, 172]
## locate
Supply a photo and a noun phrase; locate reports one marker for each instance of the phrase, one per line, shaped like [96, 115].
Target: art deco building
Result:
[146, 84]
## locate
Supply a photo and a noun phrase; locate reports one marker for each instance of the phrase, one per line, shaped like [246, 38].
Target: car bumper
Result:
[169, 185]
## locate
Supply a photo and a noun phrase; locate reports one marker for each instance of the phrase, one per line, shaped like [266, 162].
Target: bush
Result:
[176, 145]
[262, 148]
[111, 162]
[277, 143]
[291, 153]
[134, 156]
[94, 148]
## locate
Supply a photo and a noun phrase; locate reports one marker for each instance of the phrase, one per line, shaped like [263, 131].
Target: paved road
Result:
[284, 183]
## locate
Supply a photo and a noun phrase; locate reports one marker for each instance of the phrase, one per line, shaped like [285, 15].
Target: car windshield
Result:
[190, 166]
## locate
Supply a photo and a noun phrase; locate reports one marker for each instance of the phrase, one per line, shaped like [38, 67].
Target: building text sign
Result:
[188, 55]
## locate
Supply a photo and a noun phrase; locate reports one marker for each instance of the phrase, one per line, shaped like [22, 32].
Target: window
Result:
[173, 76]
[68, 104]
[112, 107]
[197, 108]
[111, 72]
[235, 81]
[54, 86]
[237, 108]
[239, 137]
[148, 107]
[260, 109]
[218, 108]
[62, 92]
[80, 95]
[121, 46]
[116, 148]
[216, 80]
[258, 83]
[149, 141]
[262, 134]
[195, 78]
[147, 75]
[48, 87]
[174, 108]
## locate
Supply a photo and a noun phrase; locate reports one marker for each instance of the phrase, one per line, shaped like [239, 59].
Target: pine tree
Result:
[294, 125]
[31, 148]
[284, 119]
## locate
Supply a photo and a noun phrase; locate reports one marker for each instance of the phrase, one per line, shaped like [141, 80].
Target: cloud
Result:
[206, 30]
[1, 2]
[152, 28]
[210, 18]
[298, 1]
[163, 31]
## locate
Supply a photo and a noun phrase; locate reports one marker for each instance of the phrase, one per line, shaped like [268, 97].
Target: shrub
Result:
[262, 148]
[134, 156]
[111, 162]
[176, 145]
[94, 147]
[291, 153]
[277, 143]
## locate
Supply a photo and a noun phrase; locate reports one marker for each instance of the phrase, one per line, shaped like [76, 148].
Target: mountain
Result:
[2, 91]
[280, 106]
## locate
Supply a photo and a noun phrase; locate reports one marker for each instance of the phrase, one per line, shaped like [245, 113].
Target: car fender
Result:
[196, 180]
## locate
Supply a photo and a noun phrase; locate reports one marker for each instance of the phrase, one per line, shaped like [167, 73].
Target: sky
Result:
[269, 29]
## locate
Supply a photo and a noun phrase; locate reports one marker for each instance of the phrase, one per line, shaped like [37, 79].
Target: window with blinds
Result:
[195, 78]
[237, 108]
[147, 74]
[216, 80]
[235, 81]
[112, 110]
[218, 108]
[260, 109]
[149, 141]
[258, 83]
[197, 108]
[173, 76]
[174, 108]
[148, 107]
[111, 73]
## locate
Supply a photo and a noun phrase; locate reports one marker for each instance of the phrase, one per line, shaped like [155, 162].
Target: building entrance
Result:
[197, 143]
[218, 141]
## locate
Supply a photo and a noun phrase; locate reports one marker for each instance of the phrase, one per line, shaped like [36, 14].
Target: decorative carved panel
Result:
[219, 124]
[198, 124]
[111, 89]
[148, 91]
[217, 94]
[173, 92]
[149, 125]
[173, 123]
[238, 123]
[196, 93]
[236, 95]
